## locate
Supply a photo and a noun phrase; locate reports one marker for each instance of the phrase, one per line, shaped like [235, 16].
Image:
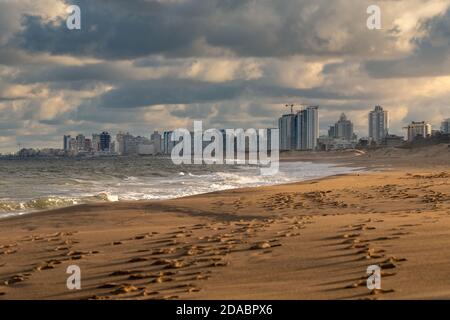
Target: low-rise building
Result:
[392, 140]
[418, 130]
[326, 143]
[445, 126]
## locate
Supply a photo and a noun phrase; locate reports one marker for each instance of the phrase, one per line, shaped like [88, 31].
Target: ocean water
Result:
[38, 184]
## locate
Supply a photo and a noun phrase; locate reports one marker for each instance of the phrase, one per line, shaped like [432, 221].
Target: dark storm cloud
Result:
[130, 29]
[98, 72]
[5, 99]
[195, 111]
[135, 94]
[116, 29]
[169, 91]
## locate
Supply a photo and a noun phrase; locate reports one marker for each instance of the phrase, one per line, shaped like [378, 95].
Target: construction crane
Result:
[290, 106]
[301, 105]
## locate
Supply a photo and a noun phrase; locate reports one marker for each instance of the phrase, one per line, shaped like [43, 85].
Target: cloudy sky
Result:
[143, 65]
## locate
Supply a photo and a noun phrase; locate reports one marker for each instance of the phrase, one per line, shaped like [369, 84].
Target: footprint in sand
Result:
[61, 248]
[194, 251]
[139, 276]
[359, 283]
[193, 289]
[161, 279]
[218, 264]
[147, 293]
[137, 259]
[46, 266]
[393, 259]
[176, 264]
[371, 253]
[123, 289]
[109, 285]
[16, 279]
[385, 238]
[351, 241]
[201, 275]
[7, 252]
[8, 246]
[352, 235]
[381, 291]
[124, 272]
[265, 245]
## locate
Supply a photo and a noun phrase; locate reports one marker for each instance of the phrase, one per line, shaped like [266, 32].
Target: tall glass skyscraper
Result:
[105, 141]
[66, 142]
[312, 127]
[343, 129]
[299, 131]
[378, 124]
[288, 134]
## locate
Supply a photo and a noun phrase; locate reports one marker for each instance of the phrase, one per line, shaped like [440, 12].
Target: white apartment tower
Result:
[312, 127]
[156, 139]
[378, 124]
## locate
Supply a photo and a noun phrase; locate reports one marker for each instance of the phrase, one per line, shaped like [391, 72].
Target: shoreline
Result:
[110, 204]
[332, 165]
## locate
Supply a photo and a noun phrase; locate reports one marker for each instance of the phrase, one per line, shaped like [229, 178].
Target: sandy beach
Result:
[307, 240]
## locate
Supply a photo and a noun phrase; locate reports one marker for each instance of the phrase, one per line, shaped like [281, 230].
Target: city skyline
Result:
[108, 76]
[298, 130]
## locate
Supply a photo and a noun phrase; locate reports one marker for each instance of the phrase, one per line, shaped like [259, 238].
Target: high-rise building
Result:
[156, 139]
[120, 144]
[299, 131]
[95, 142]
[312, 127]
[131, 145]
[80, 142]
[105, 141]
[73, 145]
[87, 144]
[168, 144]
[418, 130]
[288, 134]
[331, 132]
[125, 142]
[66, 141]
[445, 126]
[342, 129]
[378, 124]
